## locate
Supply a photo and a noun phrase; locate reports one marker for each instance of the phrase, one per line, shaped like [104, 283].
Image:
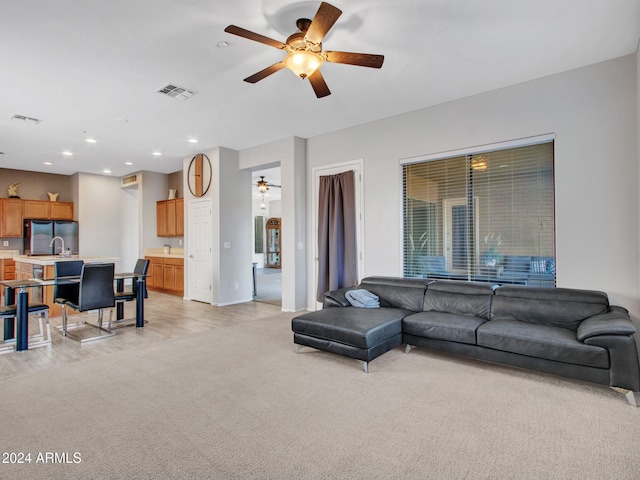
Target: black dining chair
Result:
[67, 292]
[95, 292]
[141, 268]
[40, 339]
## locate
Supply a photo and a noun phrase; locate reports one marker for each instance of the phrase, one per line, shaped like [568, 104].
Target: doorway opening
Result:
[267, 255]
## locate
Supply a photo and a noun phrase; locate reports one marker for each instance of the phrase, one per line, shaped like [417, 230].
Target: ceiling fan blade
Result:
[325, 17]
[241, 32]
[361, 59]
[256, 77]
[319, 85]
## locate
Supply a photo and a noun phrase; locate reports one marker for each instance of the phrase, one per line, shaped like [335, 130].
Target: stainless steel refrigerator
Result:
[38, 236]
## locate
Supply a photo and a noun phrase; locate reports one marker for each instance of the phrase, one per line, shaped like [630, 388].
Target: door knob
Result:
[190, 256]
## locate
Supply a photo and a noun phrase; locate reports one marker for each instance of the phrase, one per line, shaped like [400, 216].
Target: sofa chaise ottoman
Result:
[363, 334]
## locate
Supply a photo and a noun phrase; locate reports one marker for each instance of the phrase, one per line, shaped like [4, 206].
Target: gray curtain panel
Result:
[337, 252]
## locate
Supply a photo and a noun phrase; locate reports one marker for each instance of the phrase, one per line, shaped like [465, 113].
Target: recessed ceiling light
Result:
[67, 153]
[122, 120]
[157, 154]
[193, 140]
[128, 163]
[90, 140]
[106, 171]
[47, 163]
[222, 44]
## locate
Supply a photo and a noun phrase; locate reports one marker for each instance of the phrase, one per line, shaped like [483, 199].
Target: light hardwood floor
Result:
[168, 317]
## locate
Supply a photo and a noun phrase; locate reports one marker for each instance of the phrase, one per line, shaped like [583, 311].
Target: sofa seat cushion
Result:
[362, 328]
[540, 341]
[443, 326]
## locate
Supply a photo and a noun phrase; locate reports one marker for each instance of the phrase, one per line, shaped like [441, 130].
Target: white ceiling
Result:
[95, 66]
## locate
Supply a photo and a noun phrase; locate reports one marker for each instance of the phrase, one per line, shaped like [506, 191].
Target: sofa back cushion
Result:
[396, 292]
[461, 298]
[558, 307]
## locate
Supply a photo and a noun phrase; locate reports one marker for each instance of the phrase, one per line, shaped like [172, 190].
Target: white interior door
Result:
[357, 166]
[199, 258]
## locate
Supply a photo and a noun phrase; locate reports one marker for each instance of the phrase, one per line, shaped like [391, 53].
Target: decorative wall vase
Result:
[53, 197]
[172, 193]
[12, 191]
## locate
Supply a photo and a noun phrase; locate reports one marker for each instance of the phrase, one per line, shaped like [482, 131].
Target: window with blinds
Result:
[482, 217]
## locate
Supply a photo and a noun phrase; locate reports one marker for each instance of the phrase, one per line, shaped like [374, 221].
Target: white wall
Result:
[98, 206]
[593, 111]
[235, 226]
[232, 240]
[290, 154]
[130, 234]
[153, 187]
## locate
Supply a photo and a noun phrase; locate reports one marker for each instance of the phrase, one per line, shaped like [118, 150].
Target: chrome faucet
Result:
[62, 251]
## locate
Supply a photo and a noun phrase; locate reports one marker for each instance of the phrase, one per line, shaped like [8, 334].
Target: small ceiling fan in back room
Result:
[263, 185]
[304, 50]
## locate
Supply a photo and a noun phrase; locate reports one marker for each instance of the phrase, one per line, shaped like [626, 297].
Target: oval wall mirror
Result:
[199, 175]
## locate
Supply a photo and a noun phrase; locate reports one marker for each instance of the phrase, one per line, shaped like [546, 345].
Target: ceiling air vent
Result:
[26, 119]
[176, 92]
[128, 182]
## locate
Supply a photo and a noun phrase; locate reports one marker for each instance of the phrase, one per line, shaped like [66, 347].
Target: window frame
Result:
[467, 152]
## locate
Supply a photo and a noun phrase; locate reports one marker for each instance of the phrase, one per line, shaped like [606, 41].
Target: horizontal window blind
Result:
[482, 217]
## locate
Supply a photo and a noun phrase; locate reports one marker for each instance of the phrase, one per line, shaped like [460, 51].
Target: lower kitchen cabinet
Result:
[166, 275]
[7, 272]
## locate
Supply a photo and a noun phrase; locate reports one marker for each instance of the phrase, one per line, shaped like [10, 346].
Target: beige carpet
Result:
[238, 403]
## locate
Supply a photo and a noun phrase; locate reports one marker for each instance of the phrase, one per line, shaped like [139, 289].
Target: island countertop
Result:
[45, 260]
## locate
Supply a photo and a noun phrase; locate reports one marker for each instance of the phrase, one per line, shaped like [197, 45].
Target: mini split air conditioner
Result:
[130, 181]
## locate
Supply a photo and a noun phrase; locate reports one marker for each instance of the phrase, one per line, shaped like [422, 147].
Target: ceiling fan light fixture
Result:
[262, 185]
[478, 163]
[303, 63]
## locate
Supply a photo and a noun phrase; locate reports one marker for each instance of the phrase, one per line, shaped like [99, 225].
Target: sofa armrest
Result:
[336, 298]
[615, 322]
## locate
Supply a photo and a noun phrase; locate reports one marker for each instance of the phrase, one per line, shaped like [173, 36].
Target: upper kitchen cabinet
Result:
[11, 221]
[42, 209]
[38, 209]
[61, 210]
[170, 218]
[180, 217]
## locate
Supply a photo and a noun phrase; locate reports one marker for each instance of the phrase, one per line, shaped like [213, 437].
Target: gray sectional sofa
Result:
[568, 332]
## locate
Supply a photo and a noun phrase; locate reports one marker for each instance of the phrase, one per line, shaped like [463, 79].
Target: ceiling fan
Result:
[263, 185]
[304, 50]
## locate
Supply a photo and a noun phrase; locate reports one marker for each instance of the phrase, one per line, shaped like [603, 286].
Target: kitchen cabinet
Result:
[174, 274]
[38, 209]
[7, 269]
[7, 272]
[14, 210]
[170, 218]
[161, 219]
[45, 210]
[155, 278]
[180, 217]
[61, 210]
[166, 275]
[11, 221]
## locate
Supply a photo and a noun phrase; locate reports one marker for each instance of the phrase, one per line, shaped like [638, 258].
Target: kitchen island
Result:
[42, 266]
